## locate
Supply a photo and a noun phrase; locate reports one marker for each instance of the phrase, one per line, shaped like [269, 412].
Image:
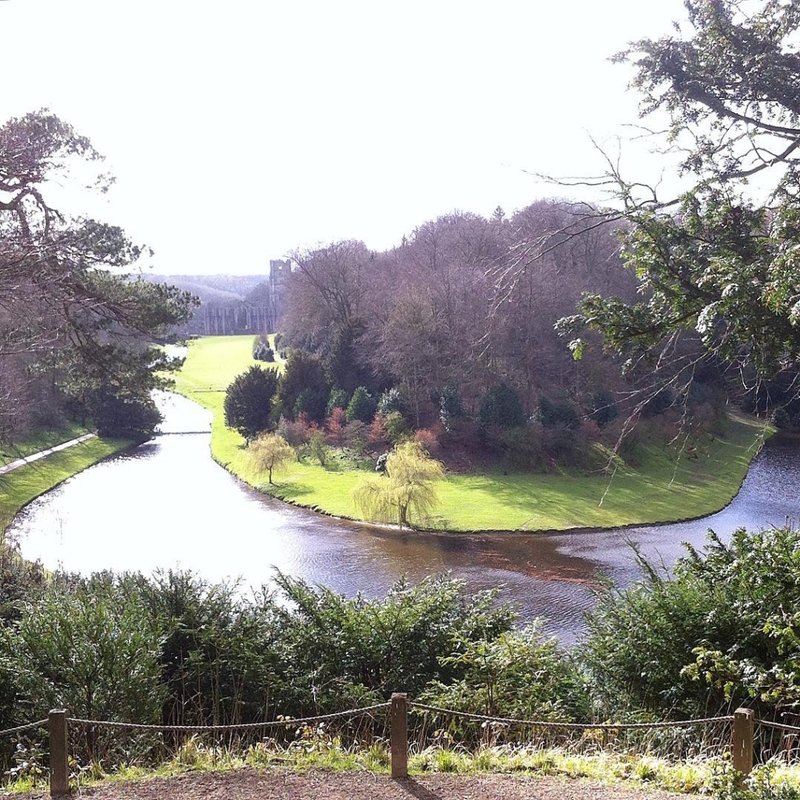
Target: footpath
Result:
[248, 784]
[21, 462]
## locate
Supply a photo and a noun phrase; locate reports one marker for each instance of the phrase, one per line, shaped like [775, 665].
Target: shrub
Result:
[518, 674]
[261, 349]
[128, 417]
[553, 414]
[296, 432]
[525, 448]
[429, 439]
[335, 427]
[91, 650]
[303, 375]
[722, 633]
[337, 399]
[658, 403]
[318, 448]
[451, 406]
[603, 407]
[312, 403]
[378, 436]
[356, 435]
[342, 651]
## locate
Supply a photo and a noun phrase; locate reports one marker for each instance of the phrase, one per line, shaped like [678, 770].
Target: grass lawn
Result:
[657, 491]
[19, 487]
[40, 440]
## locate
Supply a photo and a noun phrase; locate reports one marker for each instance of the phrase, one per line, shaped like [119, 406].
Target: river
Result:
[167, 504]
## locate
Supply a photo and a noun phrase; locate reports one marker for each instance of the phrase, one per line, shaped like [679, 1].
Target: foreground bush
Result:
[725, 632]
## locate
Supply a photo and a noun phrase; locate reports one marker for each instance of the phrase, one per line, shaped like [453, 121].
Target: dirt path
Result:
[21, 462]
[248, 784]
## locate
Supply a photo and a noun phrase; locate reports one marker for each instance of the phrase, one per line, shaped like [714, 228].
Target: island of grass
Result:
[660, 487]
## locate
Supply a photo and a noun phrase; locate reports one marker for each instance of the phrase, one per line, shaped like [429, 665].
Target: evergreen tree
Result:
[248, 401]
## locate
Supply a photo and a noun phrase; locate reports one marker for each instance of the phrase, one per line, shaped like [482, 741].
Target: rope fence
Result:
[31, 726]
[244, 726]
[741, 742]
[602, 726]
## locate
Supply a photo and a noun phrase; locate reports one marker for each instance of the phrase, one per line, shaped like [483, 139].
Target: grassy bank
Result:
[659, 490]
[19, 487]
[40, 440]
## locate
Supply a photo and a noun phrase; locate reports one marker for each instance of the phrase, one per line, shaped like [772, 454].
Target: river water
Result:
[166, 504]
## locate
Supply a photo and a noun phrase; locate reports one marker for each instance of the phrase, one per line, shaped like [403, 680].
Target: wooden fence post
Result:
[742, 744]
[59, 769]
[398, 734]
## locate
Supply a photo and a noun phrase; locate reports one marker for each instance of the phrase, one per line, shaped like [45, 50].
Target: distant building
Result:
[232, 305]
[279, 271]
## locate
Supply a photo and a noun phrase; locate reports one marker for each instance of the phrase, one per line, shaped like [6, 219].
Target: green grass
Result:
[40, 440]
[660, 490]
[19, 487]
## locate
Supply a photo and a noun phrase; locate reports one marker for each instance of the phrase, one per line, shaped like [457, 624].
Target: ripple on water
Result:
[167, 504]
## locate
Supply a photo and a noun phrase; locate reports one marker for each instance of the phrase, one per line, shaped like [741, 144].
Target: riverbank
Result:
[661, 489]
[25, 483]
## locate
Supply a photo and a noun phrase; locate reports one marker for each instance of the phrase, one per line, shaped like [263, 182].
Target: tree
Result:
[269, 452]
[724, 265]
[409, 484]
[248, 401]
[361, 406]
[303, 375]
[318, 447]
[501, 406]
[63, 314]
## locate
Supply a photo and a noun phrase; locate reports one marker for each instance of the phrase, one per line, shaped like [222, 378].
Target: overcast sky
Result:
[239, 131]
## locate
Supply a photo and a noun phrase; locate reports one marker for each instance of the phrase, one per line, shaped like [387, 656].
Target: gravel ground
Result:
[248, 784]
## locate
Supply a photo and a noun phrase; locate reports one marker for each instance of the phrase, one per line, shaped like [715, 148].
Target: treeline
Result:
[465, 301]
[452, 337]
[176, 650]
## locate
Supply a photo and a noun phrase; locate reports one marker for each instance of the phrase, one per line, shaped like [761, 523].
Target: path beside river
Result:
[21, 462]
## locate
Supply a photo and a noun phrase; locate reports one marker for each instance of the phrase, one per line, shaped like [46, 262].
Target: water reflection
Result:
[167, 504]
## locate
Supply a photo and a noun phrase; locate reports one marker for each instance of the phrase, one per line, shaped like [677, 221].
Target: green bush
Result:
[558, 414]
[723, 633]
[342, 651]
[261, 349]
[518, 674]
[91, 649]
[123, 417]
[396, 427]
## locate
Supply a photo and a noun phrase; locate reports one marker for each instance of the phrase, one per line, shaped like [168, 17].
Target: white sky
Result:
[239, 131]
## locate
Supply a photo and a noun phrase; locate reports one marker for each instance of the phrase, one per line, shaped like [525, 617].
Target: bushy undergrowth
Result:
[175, 650]
[724, 632]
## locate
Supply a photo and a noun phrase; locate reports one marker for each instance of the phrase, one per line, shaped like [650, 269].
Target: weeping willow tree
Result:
[409, 484]
[269, 452]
